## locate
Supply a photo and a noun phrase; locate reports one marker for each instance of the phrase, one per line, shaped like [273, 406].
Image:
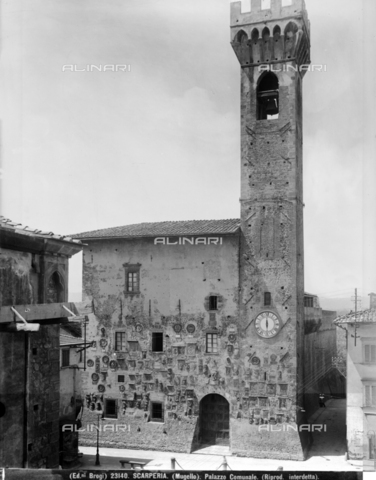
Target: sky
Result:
[82, 150]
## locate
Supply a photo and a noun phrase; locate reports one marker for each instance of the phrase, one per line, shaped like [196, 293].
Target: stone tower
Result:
[272, 45]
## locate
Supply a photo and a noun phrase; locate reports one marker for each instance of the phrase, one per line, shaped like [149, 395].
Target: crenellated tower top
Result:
[273, 31]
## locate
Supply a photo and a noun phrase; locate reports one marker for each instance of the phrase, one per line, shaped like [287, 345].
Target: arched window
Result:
[268, 97]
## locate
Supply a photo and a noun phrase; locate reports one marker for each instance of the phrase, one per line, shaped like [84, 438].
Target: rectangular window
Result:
[132, 278]
[121, 378]
[65, 357]
[157, 342]
[132, 284]
[110, 409]
[120, 341]
[308, 301]
[213, 302]
[267, 299]
[370, 395]
[211, 343]
[370, 353]
[156, 411]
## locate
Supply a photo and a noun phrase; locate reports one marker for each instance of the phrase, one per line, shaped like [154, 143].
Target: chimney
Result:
[372, 301]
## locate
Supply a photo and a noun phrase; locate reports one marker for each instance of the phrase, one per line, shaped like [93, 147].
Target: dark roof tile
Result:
[188, 227]
[34, 232]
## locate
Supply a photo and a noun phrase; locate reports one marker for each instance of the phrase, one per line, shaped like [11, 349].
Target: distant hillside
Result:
[342, 305]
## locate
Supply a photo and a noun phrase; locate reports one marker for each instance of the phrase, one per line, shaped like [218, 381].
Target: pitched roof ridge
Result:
[139, 229]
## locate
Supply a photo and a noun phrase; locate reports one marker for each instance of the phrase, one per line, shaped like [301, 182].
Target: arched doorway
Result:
[214, 420]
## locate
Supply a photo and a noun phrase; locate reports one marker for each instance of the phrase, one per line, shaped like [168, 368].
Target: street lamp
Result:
[100, 414]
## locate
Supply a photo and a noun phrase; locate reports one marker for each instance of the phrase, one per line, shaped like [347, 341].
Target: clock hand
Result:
[267, 323]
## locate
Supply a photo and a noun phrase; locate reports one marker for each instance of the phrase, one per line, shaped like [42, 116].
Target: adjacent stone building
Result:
[33, 294]
[361, 382]
[200, 325]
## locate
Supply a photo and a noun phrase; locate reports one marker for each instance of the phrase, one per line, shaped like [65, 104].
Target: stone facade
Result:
[175, 286]
[271, 270]
[229, 312]
[30, 274]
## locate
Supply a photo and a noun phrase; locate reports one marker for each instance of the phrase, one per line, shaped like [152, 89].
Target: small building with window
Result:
[33, 301]
[361, 382]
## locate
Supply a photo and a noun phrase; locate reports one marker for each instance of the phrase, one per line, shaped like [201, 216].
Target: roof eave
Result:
[123, 237]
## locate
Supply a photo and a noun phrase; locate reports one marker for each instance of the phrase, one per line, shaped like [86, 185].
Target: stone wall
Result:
[272, 220]
[136, 432]
[44, 368]
[175, 285]
[29, 372]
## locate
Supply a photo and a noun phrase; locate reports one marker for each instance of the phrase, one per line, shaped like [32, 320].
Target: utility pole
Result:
[356, 300]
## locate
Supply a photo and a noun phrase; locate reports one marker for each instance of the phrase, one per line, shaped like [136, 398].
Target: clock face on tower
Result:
[267, 324]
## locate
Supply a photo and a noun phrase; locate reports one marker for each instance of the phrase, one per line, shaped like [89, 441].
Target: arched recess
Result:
[55, 289]
[278, 43]
[268, 97]
[214, 420]
[291, 30]
[255, 35]
[266, 45]
[241, 37]
[266, 34]
[256, 53]
[244, 50]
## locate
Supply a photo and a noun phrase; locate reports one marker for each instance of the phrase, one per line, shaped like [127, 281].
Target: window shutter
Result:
[366, 353]
[368, 399]
[373, 353]
[373, 396]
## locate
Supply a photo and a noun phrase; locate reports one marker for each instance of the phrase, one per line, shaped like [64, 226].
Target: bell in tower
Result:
[268, 97]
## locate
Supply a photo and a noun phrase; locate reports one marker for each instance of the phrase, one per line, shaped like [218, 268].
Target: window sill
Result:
[132, 293]
[211, 353]
[157, 422]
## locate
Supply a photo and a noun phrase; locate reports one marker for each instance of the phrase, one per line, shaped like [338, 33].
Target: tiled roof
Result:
[189, 227]
[67, 338]
[365, 316]
[34, 232]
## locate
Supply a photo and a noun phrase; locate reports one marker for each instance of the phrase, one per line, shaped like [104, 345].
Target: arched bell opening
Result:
[214, 420]
[268, 97]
